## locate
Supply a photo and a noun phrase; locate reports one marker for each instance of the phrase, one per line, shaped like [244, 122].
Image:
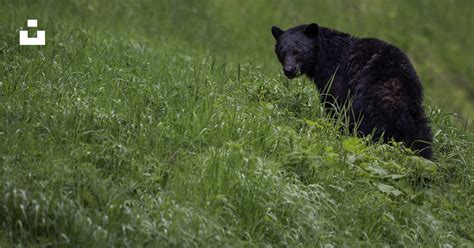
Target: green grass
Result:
[170, 124]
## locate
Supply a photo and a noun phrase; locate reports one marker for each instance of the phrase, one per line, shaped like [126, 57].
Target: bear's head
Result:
[296, 48]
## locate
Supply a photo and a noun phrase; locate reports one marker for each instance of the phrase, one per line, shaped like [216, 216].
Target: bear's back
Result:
[377, 62]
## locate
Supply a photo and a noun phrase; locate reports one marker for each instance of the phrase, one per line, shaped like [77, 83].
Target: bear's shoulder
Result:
[371, 48]
[371, 45]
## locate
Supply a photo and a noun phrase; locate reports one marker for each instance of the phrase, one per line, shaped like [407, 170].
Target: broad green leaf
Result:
[388, 189]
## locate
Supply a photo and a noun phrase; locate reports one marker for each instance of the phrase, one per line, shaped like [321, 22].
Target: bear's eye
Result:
[293, 53]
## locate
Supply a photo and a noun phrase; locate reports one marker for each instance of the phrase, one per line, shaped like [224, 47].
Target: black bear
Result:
[377, 79]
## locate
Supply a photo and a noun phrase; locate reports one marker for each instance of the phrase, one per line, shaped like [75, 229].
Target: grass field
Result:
[169, 124]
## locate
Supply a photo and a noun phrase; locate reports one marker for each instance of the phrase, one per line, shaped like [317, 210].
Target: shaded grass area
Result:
[116, 134]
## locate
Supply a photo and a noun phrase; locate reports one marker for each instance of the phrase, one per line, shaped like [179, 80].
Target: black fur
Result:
[376, 77]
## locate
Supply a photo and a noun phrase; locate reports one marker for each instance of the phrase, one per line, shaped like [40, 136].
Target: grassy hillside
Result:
[169, 124]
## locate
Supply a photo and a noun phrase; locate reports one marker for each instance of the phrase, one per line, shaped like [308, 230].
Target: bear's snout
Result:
[290, 71]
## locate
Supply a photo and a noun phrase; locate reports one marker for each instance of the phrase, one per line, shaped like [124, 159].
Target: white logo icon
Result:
[40, 39]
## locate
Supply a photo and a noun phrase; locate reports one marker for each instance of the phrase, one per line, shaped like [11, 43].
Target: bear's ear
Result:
[311, 30]
[276, 31]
